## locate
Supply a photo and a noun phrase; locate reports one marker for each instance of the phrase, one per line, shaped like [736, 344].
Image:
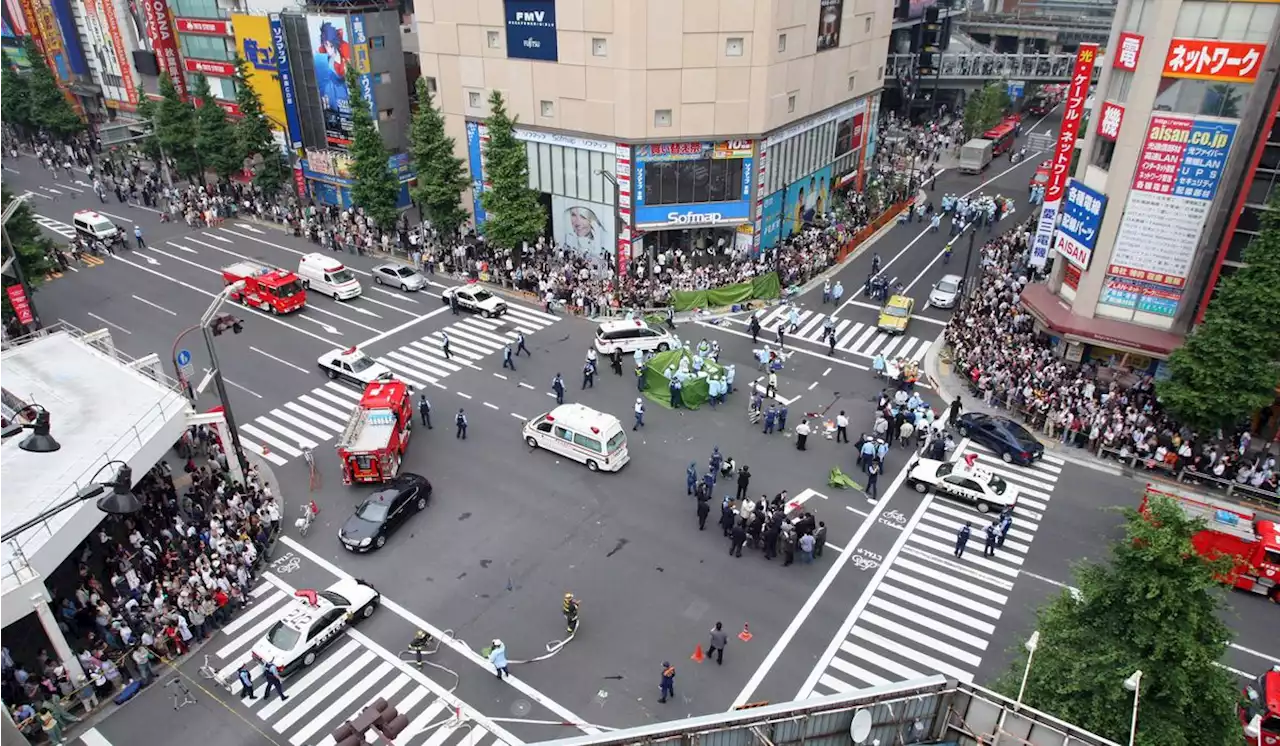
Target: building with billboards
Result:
[712, 114]
[1181, 101]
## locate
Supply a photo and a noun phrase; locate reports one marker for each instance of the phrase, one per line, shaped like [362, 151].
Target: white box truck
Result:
[975, 155]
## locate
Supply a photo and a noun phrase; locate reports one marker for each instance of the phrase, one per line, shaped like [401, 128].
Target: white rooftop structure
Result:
[103, 406]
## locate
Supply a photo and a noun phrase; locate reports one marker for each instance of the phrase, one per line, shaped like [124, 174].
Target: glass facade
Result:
[801, 155]
[693, 182]
[570, 172]
[1204, 19]
[207, 47]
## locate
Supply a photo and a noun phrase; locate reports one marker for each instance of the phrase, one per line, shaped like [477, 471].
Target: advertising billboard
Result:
[1210, 59]
[70, 33]
[1177, 177]
[48, 38]
[1072, 114]
[255, 44]
[531, 30]
[287, 94]
[106, 47]
[693, 157]
[360, 57]
[807, 198]
[584, 228]
[330, 54]
[475, 159]
[1082, 210]
[771, 219]
[830, 12]
[164, 42]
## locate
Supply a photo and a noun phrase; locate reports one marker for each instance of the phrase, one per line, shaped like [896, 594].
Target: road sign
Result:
[184, 364]
[1040, 141]
[1017, 88]
[21, 308]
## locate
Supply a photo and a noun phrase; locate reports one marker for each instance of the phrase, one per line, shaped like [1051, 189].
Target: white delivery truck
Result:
[975, 155]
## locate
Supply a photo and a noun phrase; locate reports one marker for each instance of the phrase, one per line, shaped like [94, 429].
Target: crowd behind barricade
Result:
[149, 586]
[1094, 405]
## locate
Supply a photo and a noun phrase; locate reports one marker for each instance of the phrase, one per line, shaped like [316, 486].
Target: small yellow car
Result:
[895, 314]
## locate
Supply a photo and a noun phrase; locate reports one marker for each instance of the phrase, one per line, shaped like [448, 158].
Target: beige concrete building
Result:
[703, 87]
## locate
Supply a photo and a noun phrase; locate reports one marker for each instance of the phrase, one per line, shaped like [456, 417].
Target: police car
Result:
[353, 365]
[477, 299]
[963, 480]
[312, 622]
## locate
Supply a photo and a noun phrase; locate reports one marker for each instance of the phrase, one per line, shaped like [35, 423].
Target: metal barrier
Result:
[984, 66]
[1188, 475]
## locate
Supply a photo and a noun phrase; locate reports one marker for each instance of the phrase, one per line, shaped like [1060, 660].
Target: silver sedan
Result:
[946, 292]
[399, 276]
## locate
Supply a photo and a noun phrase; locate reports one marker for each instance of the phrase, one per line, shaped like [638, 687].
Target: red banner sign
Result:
[18, 299]
[211, 67]
[207, 27]
[1208, 59]
[164, 42]
[1110, 119]
[1077, 91]
[1129, 48]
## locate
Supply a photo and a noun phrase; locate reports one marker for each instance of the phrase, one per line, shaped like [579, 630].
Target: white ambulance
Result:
[581, 433]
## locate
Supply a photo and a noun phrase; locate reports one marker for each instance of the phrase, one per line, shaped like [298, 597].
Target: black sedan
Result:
[382, 512]
[1011, 441]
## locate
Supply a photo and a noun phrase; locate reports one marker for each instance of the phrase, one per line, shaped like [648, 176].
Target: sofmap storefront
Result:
[693, 195]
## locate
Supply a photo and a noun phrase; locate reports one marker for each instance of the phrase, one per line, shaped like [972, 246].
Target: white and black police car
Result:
[963, 480]
[312, 621]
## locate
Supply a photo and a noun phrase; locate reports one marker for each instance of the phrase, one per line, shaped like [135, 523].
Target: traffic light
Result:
[389, 722]
[346, 735]
[225, 322]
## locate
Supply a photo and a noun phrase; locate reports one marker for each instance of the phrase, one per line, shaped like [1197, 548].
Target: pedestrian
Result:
[453, 303]
[873, 476]
[744, 479]
[788, 547]
[142, 658]
[715, 462]
[246, 682]
[52, 729]
[754, 327]
[507, 362]
[842, 427]
[782, 336]
[782, 418]
[677, 395]
[993, 532]
[272, 675]
[819, 538]
[691, 477]
[737, 539]
[588, 375]
[1006, 522]
[639, 414]
[719, 638]
[444, 344]
[557, 385]
[771, 390]
[957, 407]
[704, 510]
[770, 540]
[962, 538]
[867, 453]
[668, 685]
[498, 658]
[802, 435]
[806, 544]
[826, 291]
[424, 409]
[615, 362]
[726, 517]
[461, 422]
[640, 383]
[137, 235]
[770, 419]
[520, 346]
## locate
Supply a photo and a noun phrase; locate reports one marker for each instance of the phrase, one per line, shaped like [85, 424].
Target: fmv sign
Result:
[531, 30]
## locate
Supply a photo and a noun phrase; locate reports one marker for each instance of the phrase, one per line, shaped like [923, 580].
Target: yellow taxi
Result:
[895, 314]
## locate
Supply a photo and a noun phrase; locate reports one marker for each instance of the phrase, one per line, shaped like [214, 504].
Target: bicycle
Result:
[182, 695]
[314, 475]
[304, 523]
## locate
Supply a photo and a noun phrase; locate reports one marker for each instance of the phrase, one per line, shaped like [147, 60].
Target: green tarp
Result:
[693, 391]
[760, 288]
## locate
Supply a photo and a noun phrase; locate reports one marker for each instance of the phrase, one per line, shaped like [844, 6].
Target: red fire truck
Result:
[1231, 531]
[1260, 712]
[1041, 176]
[265, 288]
[373, 443]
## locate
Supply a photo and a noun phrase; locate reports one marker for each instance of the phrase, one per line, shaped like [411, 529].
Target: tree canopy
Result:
[985, 108]
[33, 248]
[513, 212]
[1154, 606]
[375, 188]
[253, 134]
[441, 174]
[49, 108]
[215, 137]
[176, 130]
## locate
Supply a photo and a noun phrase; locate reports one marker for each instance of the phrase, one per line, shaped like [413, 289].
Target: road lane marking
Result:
[402, 327]
[499, 375]
[1265, 656]
[490, 406]
[464, 396]
[825, 372]
[814, 385]
[397, 309]
[108, 323]
[810, 353]
[278, 360]
[217, 237]
[242, 388]
[525, 385]
[154, 305]
[520, 417]
[183, 248]
[395, 294]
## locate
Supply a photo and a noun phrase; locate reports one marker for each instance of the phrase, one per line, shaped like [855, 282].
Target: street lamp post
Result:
[968, 260]
[617, 217]
[1134, 684]
[1032, 643]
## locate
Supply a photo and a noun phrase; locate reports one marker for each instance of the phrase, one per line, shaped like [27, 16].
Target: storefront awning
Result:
[1055, 314]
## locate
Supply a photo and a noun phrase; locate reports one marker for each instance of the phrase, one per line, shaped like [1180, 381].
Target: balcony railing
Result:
[989, 66]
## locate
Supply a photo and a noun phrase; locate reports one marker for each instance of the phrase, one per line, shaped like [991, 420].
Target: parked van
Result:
[581, 433]
[327, 275]
[95, 226]
[630, 336]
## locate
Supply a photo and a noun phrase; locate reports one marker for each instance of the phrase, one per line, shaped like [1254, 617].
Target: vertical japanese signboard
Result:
[1082, 209]
[1077, 91]
[164, 42]
[292, 120]
[21, 308]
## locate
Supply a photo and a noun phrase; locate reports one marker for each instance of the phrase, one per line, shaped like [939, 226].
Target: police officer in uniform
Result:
[424, 409]
[461, 422]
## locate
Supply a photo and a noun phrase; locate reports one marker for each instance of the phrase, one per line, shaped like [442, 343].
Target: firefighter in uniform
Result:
[570, 613]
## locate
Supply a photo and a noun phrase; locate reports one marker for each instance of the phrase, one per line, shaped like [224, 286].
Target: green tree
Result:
[1156, 607]
[375, 188]
[149, 111]
[514, 214]
[441, 176]
[253, 132]
[215, 137]
[176, 130]
[15, 105]
[33, 248]
[50, 108]
[1230, 365]
[985, 108]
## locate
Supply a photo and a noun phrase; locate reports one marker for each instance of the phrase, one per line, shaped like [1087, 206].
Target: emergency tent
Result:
[680, 362]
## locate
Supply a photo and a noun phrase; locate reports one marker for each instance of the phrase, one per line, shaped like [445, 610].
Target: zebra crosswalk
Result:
[350, 674]
[320, 415]
[934, 612]
[852, 337]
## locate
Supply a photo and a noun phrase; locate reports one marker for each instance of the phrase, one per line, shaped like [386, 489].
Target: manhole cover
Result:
[521, 707]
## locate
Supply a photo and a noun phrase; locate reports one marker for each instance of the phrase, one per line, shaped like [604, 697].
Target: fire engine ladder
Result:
[1220, 516]
[351, 433]
[247, 269]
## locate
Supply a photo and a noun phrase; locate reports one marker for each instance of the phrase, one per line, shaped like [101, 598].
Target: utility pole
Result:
[207, 322]
[617, 219]
[968, 259]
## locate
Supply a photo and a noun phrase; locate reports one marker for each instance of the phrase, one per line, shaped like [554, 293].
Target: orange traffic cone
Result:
[697, 656]
[745, 634]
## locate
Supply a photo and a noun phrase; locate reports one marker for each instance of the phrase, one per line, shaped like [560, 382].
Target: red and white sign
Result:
[211, 67]
[622, 155]
[1110, 119]
[164, 42]
[231, 107]
[18, 299]
[1208, 59]
[1129, 48]
[207, 27]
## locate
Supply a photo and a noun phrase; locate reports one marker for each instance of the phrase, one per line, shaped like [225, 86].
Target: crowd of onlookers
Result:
[1094, 404]
[147, 585]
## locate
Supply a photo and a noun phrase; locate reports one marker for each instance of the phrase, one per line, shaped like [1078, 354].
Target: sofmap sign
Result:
[292, 120]
[1082, 210]
[531, 30]
[688, 216]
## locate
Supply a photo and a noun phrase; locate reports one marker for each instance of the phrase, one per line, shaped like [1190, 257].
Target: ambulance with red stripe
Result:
[581, 433]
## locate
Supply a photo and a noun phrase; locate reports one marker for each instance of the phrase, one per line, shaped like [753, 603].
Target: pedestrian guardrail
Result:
[1188, 475]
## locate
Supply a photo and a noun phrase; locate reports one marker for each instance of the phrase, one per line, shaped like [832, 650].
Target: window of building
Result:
[494, 39]
[693, 182]
[431, 85]
[1275, 131]
[1118, 90]
[1103, 150]
[852, 81]
[867, 24]
[377, 42]
[791, 103]
[206, 47]
[1262, 187]
[385, 114]
[1270, 157]
[782, 43]
[1239, 242]
[661, 117]
[473, 99]
[1202, 98]
[548, 108]
[1230, 21]
[1250, 219]
[733, 46]
[379, 78]
[197, 9]
[599, 47]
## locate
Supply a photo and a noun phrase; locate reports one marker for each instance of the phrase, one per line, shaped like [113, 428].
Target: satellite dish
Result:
[860, 730]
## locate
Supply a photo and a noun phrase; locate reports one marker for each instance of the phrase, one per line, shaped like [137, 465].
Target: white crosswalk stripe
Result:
[320, 415]
[934, 612]
[353, 672]
[855, 338]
